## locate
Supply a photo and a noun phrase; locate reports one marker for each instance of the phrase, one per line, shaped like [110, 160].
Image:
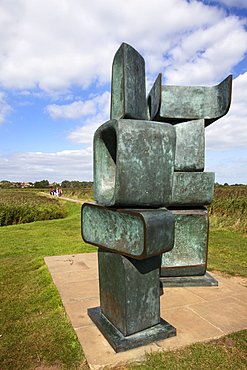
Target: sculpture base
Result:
[119, 342]
[188, 281]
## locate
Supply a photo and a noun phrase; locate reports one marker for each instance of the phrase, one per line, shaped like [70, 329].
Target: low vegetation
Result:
[18, 207]
[85, 194]
[229, 208]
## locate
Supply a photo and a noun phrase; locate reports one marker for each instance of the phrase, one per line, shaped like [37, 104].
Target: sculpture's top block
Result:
[166, 103]
[128, 94]
[175, 104]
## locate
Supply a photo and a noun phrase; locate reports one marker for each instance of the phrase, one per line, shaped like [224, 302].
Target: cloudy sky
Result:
[55, 75]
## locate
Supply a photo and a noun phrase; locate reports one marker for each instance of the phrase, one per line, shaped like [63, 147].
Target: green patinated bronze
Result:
[129, 312]
[128, 95]
[134, 163]
[121, 343]
[192, 188]
[176, 104]
[132, 278]
[190, 146]
[189, 254]
[136, 233]
[148, 156]
[184, 280]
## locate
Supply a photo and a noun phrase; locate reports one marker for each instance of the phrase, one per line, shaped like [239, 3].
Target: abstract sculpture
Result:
[150, 191]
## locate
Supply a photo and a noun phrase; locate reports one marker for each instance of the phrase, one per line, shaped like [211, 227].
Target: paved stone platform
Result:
[198, 313]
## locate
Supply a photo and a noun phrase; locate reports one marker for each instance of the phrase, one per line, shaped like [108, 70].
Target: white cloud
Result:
[79, 109]
[229, 132]
[84, 135]
[32, 166]
[25, 93]
[71, 111]
[96, 111]
[5, 108]
[207, 55]
[240, 89]
[54, 45]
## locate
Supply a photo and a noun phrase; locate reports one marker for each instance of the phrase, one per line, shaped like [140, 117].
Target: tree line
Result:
[45, 184]
[64, 184]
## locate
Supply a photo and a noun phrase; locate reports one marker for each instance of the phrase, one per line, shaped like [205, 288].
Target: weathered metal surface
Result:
[190, 146]
[154, 99]
[188, 281]
[141, 165]
[129, 291]
[176, 104]
[119, 342]
[186, 271]
[128, 94]
[189, 254]
[192, 188]
[136, 233]
[134, 163]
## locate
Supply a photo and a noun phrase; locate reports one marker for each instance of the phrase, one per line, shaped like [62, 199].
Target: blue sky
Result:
[55, 75]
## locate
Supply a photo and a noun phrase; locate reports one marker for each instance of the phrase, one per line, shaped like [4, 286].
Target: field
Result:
[229, 208]
[18, 207]
[35, 330]
[81, 194]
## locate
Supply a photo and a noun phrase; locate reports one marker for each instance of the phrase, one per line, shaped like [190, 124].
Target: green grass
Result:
[227, 252]
[34, 326]
[226, 353]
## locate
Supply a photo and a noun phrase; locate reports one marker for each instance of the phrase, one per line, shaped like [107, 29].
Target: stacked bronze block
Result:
[150, 191]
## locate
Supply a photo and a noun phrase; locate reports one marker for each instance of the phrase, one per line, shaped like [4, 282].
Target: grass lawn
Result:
[227, 353]
[227, 252]
[35, 330]
[34, 327]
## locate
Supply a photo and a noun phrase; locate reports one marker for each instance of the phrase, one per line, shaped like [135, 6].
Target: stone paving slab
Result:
[198, 313]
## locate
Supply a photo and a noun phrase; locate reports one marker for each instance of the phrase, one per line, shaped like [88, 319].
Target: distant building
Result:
[26, 185]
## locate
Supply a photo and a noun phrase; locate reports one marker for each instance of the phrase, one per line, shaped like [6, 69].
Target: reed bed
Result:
[227, 211]
[83, 194]
[229, 208]
[18, 207]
